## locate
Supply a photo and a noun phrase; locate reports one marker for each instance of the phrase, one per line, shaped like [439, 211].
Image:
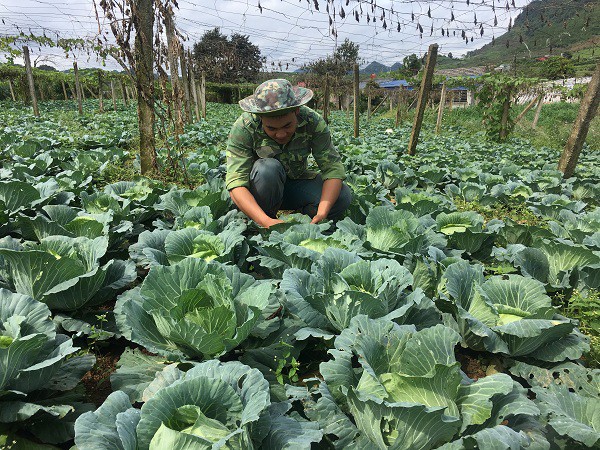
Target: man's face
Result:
[281, 128]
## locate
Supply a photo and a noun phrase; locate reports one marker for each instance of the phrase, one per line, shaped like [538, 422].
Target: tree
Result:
[338, 64]
[412, 63]
[557, 67]
[227, 60]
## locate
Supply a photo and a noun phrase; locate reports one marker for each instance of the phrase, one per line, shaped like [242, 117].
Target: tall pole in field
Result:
[326, 99]
[123, 92]
[438, 124]
[203, 95]
[173, 48]
[64, 90]
[356, 100]
[36, 111]
[538, 111]
[12, 91]
[423, 94]
[78, 89]
[113, 94]
[587, 111]
[100, 93]
[186, 85]
[144, 82]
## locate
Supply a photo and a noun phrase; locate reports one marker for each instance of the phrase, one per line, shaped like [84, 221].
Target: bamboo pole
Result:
[587, 111]
[203, 95]
[78, 89]
[124, 92]
[369, 100]
[398, 110]
[438, 124]
[381, 103]
[538, 111]
[173, 48]
[505, 112]
[527, 108]
[326, 100]
[100, 93]
[423, 94]
[12, 91]
[186, 85]
[36, 111]
[356, 102]
[65, 90]
[113, 94]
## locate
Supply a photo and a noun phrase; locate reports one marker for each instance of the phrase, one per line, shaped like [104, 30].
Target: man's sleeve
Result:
[239, 156]
[326, 155]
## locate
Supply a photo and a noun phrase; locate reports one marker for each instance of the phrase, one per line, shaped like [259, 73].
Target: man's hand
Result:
[271, 222]
[318, 218]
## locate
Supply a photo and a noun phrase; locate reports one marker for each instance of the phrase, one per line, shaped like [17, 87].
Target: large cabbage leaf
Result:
[65, 272]
[38, 368]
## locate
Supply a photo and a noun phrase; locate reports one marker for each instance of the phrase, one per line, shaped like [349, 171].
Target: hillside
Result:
[545, 27]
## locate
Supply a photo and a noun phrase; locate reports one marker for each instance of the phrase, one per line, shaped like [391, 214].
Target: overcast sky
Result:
[290, 32]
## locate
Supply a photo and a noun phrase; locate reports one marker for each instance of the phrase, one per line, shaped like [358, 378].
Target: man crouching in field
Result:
[267, 154]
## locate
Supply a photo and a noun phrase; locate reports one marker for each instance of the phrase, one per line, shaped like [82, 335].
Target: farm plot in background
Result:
[427, 318]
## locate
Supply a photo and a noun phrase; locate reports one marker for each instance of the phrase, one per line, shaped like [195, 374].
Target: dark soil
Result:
[97, 380]
[471, 364]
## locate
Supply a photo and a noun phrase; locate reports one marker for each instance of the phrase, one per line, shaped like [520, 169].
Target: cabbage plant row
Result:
[332, 336]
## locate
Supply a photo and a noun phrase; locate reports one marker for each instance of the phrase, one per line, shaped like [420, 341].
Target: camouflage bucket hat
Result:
[275, 97]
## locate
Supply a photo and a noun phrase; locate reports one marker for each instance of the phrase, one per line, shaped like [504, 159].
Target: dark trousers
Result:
[274, 191]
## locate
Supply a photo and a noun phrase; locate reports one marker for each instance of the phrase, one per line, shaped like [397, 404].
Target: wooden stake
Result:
[65, 90]
[186, 86]
[587, 111]
[527, 108]
[173, 51]
[398, 110]
[356, 101]
[504, 120]
[326, 100]
[369, 100]
[203, 95]
[36, 111]
[124, 92]
[381, 103]
[423, 94]
[100, 93]
[438, 124]
[78, 89]
[196, 96]
[12, 91]
[538, 111]
[113, 94]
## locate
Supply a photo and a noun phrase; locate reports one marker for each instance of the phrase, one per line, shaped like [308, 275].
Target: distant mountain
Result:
[396, 66]
[544, 27]
[375, 67]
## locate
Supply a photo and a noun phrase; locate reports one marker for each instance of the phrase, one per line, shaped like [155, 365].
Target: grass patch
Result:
[585, 307]
[516, 211]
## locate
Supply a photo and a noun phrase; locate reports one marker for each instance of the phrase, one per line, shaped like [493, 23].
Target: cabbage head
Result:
[197, 309]
[213, 405]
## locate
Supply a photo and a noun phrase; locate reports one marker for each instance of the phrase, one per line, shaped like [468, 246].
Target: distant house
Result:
[390, 85]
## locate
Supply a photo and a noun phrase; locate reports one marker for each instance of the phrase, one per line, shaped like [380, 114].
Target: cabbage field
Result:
[142, 314]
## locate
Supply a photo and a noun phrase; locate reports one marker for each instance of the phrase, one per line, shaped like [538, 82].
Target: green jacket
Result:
[247, 142]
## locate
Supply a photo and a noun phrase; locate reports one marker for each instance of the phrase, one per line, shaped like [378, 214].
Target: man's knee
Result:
[342, 203]
[267, 170]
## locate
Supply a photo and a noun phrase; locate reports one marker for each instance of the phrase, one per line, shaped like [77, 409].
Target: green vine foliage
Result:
[494, 94]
